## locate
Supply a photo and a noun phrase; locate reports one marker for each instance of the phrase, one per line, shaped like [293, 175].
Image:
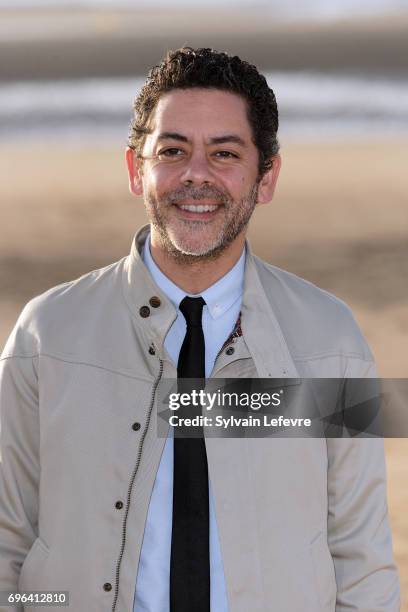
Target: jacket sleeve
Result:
[19, 462]
[359, 534]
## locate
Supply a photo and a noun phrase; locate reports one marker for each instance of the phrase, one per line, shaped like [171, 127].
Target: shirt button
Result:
[144, 311]
[155, 301]
[107, 586]
[230, 350]
[119, 505]
[136, 426]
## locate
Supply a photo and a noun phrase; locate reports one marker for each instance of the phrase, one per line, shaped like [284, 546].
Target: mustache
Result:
[196, 193]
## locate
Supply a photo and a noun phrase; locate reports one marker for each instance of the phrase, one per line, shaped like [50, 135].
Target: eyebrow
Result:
[172, 136]
[215, 140]
[228, 138]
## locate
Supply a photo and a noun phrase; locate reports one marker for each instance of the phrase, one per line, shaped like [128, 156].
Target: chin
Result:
[200, 247]
[193, 249]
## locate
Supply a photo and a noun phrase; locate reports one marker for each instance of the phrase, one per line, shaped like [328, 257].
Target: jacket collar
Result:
[261, 331]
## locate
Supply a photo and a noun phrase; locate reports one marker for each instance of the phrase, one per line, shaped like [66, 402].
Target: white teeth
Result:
[198, 209]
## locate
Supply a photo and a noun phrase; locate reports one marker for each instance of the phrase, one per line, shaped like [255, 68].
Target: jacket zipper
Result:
[132, 479]
[236, 333]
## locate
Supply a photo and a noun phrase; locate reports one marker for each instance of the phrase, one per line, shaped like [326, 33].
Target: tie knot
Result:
[192, 309]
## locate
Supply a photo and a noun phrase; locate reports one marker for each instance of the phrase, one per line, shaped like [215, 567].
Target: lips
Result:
[197, 211]
[198, 208]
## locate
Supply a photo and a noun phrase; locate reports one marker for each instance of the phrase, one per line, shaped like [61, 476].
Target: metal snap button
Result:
[119, 505]
[144, 311]
[151, 350]
[107, 586]
[155, 301]
[136, 426]
[230, 350]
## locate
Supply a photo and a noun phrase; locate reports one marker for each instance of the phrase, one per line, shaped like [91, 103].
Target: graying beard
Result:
[229, 237]
[190, 258]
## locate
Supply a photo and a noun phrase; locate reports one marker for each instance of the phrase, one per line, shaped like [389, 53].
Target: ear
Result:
[134, 172]
[267, 184]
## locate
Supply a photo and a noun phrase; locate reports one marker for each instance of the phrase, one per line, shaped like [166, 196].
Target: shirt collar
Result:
[218, 298]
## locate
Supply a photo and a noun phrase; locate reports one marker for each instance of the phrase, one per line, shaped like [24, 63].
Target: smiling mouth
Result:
[198, 208]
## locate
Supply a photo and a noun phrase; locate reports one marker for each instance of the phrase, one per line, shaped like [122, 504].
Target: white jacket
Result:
[302, 523]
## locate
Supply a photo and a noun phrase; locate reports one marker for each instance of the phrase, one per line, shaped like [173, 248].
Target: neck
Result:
[195, 277]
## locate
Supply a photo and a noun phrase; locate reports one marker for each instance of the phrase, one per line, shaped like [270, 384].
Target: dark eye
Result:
[226, 154]
[171, 152]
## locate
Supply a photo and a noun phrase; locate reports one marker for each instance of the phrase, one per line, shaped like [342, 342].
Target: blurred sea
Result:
[312, 106]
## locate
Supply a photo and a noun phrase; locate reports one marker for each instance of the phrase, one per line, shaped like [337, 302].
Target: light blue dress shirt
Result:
[223, 303]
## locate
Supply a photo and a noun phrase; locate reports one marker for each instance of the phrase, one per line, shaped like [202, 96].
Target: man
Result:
[93, 501]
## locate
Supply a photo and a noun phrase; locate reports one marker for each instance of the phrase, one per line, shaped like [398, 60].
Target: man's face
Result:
[199, 175]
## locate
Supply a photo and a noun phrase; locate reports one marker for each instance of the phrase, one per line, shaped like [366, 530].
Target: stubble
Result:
[177, 244]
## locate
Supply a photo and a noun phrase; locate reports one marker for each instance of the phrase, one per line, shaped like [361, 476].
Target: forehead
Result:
[201, 111]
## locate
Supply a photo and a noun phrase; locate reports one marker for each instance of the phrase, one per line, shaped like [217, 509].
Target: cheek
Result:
[237, 184]
[161, 179]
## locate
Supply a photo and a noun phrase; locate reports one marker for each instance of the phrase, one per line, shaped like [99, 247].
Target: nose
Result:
[197, 171]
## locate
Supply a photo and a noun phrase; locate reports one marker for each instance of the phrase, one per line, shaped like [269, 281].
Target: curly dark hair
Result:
[186, 68]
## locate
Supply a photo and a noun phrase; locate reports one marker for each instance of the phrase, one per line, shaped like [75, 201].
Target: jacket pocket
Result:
[325, 578]
[32, 571]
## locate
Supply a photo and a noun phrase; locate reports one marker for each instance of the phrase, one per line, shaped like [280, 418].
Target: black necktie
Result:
[190, 555]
